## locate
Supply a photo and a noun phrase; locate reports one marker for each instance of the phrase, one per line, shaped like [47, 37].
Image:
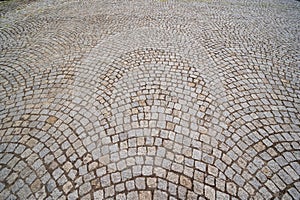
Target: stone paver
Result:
[150, 99]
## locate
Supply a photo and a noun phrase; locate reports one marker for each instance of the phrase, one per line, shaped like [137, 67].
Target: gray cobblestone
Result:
[159, 99]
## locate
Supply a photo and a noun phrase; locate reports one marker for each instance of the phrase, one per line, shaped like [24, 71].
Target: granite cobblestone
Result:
[158, 99]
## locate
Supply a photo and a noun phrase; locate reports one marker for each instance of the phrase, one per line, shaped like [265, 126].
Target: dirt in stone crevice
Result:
[10, 5]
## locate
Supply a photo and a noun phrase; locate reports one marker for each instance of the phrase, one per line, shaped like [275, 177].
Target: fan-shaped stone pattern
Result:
[153, 102]
[150, 100]
[160, 68]
[45, 150]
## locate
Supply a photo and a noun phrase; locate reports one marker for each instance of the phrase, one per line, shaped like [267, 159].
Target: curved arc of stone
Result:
[20, 158]
[34, 126]
[265, 169]
[167, 90]
[30, 165]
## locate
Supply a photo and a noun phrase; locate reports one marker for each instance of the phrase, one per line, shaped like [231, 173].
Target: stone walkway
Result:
[150, 99]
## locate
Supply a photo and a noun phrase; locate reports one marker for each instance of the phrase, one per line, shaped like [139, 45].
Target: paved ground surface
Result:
[150, 99]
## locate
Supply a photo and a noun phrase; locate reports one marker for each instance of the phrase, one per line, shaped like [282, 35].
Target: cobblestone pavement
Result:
[120, 99]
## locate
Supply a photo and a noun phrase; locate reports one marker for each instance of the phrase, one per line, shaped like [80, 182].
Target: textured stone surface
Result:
[150, 99]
